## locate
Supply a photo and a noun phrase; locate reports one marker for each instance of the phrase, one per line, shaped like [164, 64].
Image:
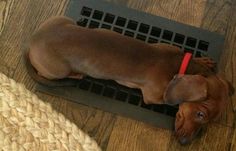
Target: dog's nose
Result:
[183, 141]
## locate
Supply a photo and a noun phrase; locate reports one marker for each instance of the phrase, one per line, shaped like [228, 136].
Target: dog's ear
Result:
[186, 88]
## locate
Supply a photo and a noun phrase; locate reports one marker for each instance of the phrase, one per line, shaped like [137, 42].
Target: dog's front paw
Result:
[206, 61]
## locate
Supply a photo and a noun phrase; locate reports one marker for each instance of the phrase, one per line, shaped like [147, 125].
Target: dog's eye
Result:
[200, 115]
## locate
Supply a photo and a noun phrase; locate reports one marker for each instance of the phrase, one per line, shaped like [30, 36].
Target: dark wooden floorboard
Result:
[130, 135]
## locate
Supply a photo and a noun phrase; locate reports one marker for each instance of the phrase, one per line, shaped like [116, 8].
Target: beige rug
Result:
[27, 123]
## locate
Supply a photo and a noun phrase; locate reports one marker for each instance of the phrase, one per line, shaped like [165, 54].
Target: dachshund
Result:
[61, 49]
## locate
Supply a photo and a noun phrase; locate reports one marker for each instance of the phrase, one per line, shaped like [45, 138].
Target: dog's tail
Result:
[33, 73]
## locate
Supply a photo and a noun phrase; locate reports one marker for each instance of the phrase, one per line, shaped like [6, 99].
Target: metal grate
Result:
[146, 27]
[93, 18]
[113, 97]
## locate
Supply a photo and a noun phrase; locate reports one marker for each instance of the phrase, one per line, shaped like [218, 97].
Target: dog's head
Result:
[194, 113]
[191, 118]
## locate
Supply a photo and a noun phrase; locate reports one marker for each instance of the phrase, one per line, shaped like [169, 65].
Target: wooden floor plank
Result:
[233, 145]
[5, 8]
[184, 11]
[12, 33]
[130, 135]
[216, 15]
[233, 139]
[25, 17]
[170, 9]
[6, 70]
[192, 13]
[228, 62]
[21, 75]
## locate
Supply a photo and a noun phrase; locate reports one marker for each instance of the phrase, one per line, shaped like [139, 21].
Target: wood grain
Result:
[25, 17]
[233, 137]
[5, 8]
[6, 70]
[228, 61]
[216, 15]
[184, 11]
[130, 135]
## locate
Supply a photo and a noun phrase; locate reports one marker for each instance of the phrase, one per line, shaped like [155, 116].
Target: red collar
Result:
[185, 63]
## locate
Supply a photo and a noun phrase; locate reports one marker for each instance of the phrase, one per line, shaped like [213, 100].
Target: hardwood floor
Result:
[18, 20]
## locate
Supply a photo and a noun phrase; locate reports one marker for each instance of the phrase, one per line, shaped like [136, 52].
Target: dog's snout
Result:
[187, 139]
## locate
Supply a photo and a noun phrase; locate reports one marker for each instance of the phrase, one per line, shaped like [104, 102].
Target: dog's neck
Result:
[193, 67]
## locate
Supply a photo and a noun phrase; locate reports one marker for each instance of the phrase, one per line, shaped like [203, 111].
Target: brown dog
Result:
[61, 49]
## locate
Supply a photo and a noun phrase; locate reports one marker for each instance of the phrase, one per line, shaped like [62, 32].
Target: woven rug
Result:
[27, 123]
